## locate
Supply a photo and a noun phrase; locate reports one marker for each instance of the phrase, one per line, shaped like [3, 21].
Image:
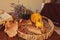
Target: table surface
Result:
[3, 36]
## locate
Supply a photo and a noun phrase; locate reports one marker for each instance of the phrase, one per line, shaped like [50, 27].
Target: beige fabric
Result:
[11, 29]
[4, 17]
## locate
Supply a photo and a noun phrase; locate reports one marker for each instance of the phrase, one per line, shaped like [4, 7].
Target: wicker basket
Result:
[38, 37]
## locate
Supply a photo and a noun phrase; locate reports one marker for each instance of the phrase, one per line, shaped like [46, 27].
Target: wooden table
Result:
[3, 36]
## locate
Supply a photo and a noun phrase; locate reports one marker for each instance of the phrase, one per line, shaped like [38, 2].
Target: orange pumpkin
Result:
[37, 19]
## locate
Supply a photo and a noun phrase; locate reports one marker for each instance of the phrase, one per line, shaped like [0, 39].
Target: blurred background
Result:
[30, 4]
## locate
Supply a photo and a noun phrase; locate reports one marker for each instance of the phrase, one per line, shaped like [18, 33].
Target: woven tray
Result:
[41, 36]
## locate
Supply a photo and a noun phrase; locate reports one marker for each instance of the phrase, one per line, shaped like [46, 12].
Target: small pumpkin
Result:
[37, 19]
[39, 24]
